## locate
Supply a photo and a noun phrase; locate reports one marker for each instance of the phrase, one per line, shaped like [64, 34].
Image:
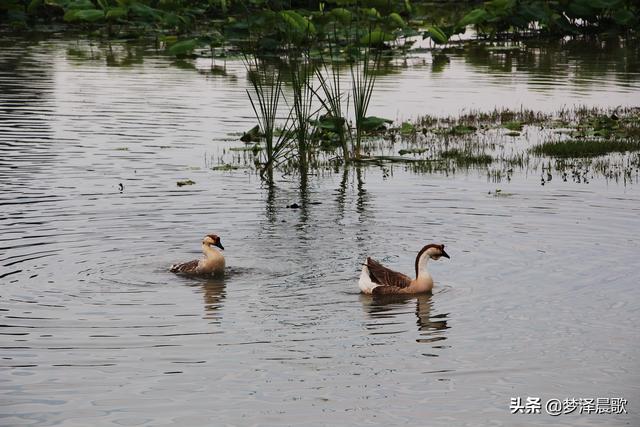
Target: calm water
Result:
[540, 297]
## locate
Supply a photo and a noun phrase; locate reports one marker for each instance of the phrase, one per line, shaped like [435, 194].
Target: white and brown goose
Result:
[212, 264]
[375, 279]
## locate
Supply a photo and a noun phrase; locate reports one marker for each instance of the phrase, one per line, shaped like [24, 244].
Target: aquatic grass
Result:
[364, 63]
[331, 100]
[466, 158]
[514, 126]
[475, 118]
[363, 78]
[267, 82]
[404, 151]
[225, 167]
[457, 130]
[299, 34]
[328, 73]
[585, 148]
[435, 148]
[300, 72]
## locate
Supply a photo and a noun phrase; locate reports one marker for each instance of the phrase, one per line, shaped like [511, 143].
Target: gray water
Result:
[540, 297]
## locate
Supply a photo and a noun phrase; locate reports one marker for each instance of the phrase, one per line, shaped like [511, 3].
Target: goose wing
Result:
[387, 290]
[185, 267]
[386, 277]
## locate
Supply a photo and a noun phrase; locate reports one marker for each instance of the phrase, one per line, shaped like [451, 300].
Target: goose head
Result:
[435, 251]
[432, 251]
[212, 239]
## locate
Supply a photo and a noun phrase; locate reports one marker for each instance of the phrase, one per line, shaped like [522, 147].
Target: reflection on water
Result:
[213, 292]
[96, 331]
[578, 63]
[386, 308]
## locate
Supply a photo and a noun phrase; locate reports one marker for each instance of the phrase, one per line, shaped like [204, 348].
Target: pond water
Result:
[540, 297]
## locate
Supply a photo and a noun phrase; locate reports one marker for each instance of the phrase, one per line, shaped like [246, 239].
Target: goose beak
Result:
[218, 244]
[446, 255]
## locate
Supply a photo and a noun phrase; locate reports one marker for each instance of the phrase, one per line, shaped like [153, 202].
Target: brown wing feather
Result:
[387, 290]
[386, 277]
[185, 267]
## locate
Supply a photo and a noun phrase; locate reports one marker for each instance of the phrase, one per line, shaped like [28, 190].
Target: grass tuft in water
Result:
[363, 75]
[514, 126]
[266, 82]
[465, 159]
[404, 151]
[585, 148]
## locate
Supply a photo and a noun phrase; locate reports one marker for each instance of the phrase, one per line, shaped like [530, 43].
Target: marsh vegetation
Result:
[499, 141]
[213, 20]
[295, 55]
[116, 154]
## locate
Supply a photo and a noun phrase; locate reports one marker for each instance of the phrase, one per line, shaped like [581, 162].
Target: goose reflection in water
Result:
[431, 327]
[213, 291]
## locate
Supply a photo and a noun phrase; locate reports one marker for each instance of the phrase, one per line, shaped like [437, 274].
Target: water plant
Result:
[491, 19]
[514, 125]
[363, 78]
[517, 17]
[465, 158]
[302, 106]
[331, 98]
[431, 148]
[300, 33]
[585, 148]
[266, 82]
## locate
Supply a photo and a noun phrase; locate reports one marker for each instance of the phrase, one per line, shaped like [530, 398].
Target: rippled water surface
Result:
[541, 296]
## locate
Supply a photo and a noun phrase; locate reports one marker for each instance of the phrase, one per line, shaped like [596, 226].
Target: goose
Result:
[376, 279]
[211, 265]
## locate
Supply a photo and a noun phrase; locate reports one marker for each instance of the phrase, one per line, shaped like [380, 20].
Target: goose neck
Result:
[209, 251]
[421, 265]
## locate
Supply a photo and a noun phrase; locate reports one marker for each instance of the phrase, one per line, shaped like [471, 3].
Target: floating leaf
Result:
[407, 6]
[475, 17]
[371, 13]
[168, 39]
[33, 6]
[183, 47]
[373, 123]
[78, 4]
[624, 17]
[296, 24]
[376, 37]
[412, 151]
[225, 167]
[330, 123]
[436, 34]
[117, 12]
[407, 127]
[513, 126]
[144, 11]
[252, 135]
[86, 15]
[342, 15]
[396, 20]
[500, 7]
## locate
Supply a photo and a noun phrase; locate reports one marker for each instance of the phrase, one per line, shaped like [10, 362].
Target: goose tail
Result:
[365, 283]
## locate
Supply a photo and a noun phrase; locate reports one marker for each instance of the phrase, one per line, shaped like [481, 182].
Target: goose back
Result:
[185, 267]
[385, 276]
